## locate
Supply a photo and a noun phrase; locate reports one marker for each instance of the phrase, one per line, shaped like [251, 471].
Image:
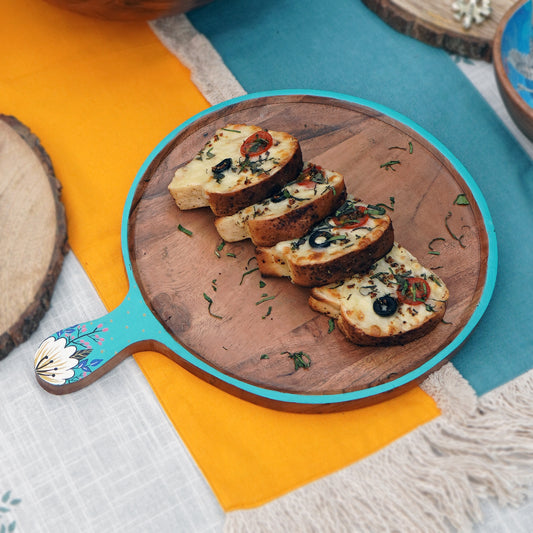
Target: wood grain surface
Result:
[245, 340]
[432, 22]
[33, 238]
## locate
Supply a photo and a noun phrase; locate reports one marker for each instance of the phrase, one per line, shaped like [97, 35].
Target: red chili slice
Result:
[353, 220]
[256, 144]
[414, 292]
[307, 175]
[306, 183]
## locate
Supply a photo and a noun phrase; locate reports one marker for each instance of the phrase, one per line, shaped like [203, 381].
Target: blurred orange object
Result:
[128, 9]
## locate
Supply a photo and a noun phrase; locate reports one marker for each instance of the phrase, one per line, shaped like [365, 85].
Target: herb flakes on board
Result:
[219, 248]
[300, 359]
[209, 300]
[461, 200]
[432, 251]
[183, 229]
[246, 272]
[390, 165]
[452, 234]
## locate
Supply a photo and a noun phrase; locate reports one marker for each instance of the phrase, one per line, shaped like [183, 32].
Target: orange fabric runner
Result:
[100, 96]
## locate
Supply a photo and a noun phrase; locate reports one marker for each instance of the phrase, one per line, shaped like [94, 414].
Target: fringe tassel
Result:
[433, 479]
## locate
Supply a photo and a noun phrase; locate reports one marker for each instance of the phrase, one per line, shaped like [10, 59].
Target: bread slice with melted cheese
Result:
[343, 244]
[290, 213]
[239, 166]
[395, 302]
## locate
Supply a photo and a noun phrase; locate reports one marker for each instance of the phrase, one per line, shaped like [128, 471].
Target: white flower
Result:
[471, 11]
[54, 362]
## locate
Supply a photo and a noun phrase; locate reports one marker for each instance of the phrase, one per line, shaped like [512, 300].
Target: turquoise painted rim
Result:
[322, 399]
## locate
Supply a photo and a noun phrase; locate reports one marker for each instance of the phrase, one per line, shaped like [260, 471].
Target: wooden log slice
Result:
[33, 238]
[432, 22]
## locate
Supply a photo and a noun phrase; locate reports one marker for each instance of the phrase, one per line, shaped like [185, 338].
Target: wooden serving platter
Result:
[33, 238]
[432, 22]
[260, 321]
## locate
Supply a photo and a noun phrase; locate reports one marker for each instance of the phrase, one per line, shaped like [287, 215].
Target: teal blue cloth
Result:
[341, 46]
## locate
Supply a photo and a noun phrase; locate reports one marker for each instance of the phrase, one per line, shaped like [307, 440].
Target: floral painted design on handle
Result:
[69, 358]
[70, 354]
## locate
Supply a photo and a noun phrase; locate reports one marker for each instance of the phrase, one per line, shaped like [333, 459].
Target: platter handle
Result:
[76, 356]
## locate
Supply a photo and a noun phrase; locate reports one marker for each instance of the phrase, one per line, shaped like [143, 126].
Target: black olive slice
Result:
[278, 197]
[222, 166]
[320, 239]
[385, 305]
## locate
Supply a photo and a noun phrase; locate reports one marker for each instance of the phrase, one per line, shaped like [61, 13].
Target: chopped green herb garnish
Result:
[458, 239]
[410, 147]
[334, 238]
[430, 245]
[261, 284]
[209, 153]
[331, 325]
[375, 210]
[461, 200]
[210, 302]
[301, 359]
[185, 230]
[230, 254]
[219, 247]
[268, 312]
[435, 280]
[391, 206]
[390, 164]
[234, 131]
[397, 148]
[265, 299]
[264, 356]
[248, 272]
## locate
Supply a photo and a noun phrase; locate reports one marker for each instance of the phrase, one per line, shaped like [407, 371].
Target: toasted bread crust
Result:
[221, 177]
[296, 223]
[229, 202]
[315, 268]
[353, 315]
[269, 222]
[359, 337]
[338, 268]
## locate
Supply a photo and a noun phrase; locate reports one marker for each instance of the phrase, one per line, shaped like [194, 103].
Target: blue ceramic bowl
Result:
[513, 64]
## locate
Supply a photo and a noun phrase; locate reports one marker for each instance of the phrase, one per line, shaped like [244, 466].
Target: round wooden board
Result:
[33, 239]
[432, 22]
[173, 270]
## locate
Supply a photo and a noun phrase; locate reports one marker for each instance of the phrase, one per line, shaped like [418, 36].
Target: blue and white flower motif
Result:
[54, 362]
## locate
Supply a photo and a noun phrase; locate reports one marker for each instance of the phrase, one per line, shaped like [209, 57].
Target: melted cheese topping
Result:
[356, 295]
[295, 196]
[226, 143]
[343, 239]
